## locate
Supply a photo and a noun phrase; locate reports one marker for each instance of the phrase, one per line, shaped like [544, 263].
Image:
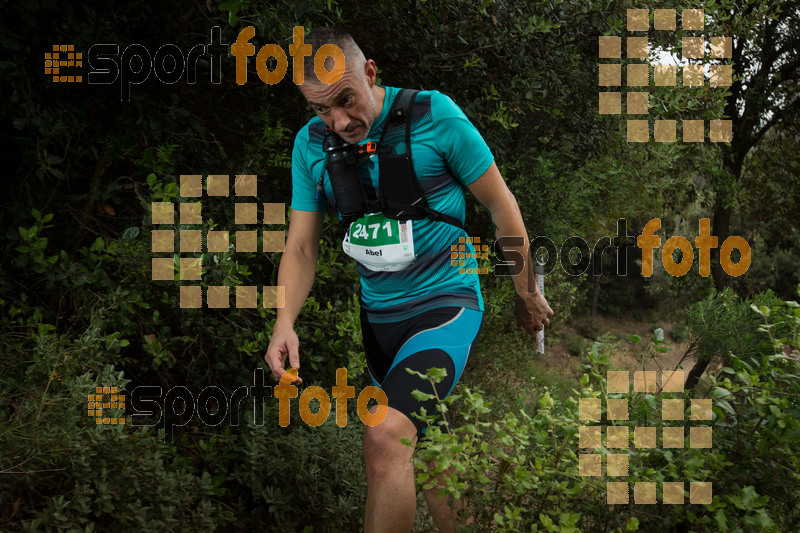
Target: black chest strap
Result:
[400, 192]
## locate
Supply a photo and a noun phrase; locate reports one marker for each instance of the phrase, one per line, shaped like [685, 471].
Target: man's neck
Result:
[379, 94]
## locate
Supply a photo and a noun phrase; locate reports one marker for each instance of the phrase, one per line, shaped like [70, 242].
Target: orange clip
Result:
[369, 148]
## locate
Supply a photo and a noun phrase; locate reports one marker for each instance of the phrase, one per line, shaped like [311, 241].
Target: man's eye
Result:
[348, 100]
[322, 110]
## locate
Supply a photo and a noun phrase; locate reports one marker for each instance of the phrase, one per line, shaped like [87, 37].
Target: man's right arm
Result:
[296, 273]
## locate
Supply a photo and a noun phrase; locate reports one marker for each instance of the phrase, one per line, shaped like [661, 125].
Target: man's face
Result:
[348, 106]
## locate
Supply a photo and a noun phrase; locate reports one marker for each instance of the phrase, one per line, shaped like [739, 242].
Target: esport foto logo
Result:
[170, 64]
[702, 56]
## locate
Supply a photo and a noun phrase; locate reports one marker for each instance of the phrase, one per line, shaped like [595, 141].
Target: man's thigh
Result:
[441, 338]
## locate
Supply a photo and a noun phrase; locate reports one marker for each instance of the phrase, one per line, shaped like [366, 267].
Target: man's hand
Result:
[532, 311]
[284, 342]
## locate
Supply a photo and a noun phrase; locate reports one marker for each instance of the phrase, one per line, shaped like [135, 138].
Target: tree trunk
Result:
[595, 296]
[720, 228]
[695, 373]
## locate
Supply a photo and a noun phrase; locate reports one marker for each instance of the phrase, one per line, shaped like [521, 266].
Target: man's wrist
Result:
[283, 323]
[525, 283]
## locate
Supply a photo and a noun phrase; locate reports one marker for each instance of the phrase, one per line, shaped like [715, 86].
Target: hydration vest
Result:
[400, 195]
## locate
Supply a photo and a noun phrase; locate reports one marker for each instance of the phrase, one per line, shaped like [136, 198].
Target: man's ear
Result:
[370, 72]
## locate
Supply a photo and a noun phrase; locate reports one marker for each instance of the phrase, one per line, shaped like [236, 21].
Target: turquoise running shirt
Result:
[448, 153]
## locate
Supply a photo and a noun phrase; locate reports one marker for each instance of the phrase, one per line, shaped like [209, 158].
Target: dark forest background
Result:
[79, 308]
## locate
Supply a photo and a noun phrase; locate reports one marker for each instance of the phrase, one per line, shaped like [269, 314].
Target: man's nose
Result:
[340, 119]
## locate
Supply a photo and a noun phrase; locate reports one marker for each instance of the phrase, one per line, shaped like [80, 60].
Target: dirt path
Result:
[558, 357]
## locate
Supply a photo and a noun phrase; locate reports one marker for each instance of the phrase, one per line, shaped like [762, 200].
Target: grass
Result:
[506, 367]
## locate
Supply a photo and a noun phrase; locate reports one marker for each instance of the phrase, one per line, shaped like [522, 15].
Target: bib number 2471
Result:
[380, 243]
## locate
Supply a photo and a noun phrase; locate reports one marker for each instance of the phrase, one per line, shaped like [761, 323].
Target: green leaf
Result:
[421, 396]
[36, 214]
[719, 518]
[761, 520]
[130, 233]
[650, 400]
[437, 374]
[725, 405]
[415, 373]
[635, 339]
[720, 392]
[659, 333]
[46, 328]
[633, 524]
[749, 496]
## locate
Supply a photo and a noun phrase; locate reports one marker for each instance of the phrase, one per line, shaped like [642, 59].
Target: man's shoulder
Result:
[429, 95]
[431, 102]
[442, 106]
[309, 138]
[423, 95]
[313, 127]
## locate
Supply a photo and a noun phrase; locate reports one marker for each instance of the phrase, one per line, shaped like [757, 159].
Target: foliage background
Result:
[79, 309]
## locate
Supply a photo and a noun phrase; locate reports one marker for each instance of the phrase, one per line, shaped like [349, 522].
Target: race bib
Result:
[379, 243]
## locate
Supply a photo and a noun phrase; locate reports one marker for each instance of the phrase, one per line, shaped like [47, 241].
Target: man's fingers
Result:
[283, 344]
[274, 361]
[294, 358]
[278, 371]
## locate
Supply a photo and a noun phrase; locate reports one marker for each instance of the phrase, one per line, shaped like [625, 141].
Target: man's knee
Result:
[383, 448]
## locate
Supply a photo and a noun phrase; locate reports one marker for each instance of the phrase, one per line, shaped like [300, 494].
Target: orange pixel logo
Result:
[640, 75]
[97, 403]
[462, 251]
[193, 241]
[618, 437]
[53, 63]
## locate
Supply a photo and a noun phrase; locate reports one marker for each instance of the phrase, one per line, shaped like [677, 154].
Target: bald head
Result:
[352, 103]
[353, 56]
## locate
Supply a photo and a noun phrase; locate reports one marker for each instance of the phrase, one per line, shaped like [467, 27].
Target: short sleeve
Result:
[467, 154]
[304, 184]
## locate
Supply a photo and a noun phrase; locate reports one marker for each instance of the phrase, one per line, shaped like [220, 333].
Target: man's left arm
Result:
[491, 190]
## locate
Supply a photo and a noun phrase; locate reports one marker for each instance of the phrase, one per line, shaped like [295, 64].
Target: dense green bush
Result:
[520, 471]
[78, 308]
[724, 326]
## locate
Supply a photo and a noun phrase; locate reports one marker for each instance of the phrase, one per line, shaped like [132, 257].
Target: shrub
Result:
[575, 344]
[679, 333]
[519, 470]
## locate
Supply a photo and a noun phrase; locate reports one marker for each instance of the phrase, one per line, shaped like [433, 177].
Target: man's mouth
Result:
[350, 132]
